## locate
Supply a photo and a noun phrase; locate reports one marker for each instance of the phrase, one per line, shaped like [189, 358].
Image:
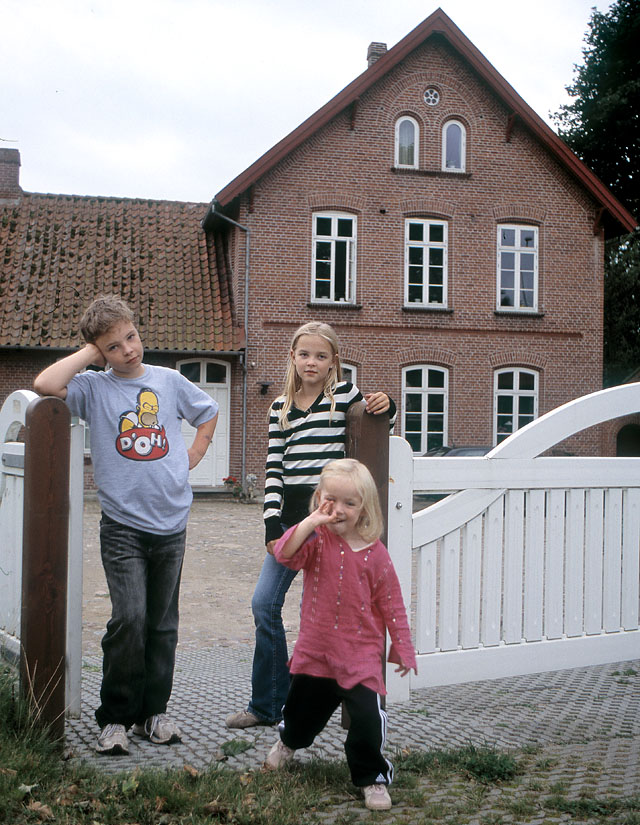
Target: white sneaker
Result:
[376, 798]
[279, 755]
[113, 739]
[159, 729]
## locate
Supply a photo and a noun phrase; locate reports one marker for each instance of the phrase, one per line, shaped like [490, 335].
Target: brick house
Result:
[426, 212]
[451, 238]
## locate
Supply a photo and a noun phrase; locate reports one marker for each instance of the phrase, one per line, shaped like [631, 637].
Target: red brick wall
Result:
[350, 169]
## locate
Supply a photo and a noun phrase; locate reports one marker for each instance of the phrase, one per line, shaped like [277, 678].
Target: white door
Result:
[213, 378]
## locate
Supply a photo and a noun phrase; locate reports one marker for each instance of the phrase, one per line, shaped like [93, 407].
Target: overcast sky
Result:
[172, 99]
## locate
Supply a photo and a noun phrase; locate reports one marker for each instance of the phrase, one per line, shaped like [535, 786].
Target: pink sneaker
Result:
[279, 755]
[376, 798]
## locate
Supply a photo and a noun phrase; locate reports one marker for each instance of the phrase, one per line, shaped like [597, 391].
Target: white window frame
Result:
[425, 391]
[202, 382]
[428, 248]
[353, 372]
[520, 253]
[517, 395]
[463, 147]
[416, 142]
[334, 240]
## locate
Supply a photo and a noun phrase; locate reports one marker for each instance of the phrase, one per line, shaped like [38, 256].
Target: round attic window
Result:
[432, 97]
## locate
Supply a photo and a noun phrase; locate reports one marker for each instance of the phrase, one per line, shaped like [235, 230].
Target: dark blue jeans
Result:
[270, 674]
[143, 573]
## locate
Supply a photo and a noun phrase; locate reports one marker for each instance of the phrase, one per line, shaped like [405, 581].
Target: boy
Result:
[141, 470]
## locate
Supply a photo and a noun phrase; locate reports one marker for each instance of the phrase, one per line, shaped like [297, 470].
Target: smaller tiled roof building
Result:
[60, 251]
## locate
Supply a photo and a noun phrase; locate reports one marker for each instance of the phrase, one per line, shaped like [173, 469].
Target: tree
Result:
[602, 126]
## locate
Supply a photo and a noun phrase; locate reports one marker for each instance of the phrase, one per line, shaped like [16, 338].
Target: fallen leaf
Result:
[191, 770]
[40, 810]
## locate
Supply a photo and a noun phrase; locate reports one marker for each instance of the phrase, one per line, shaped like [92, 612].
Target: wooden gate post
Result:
[44, 560]
[367, 440]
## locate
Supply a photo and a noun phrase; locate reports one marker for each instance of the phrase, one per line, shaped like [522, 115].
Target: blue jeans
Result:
[270, 674]
[143, 573]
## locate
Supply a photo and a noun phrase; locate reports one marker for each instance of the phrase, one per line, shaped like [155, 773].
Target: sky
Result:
[172, 99]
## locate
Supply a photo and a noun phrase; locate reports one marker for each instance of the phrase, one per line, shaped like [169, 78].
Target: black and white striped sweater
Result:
[297, 455]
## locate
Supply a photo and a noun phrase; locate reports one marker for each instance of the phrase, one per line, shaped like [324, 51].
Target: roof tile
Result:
[57, 252]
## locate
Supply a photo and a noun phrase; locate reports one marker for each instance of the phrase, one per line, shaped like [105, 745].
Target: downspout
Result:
[246, 229]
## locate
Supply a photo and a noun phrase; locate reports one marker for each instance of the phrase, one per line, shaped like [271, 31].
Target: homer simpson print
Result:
[141, 437]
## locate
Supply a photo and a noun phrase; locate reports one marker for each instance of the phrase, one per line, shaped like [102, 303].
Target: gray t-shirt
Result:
[140, 461]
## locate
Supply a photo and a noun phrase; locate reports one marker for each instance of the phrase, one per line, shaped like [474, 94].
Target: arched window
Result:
[349, 373]
[407, 139]
[454, 146]
[515, 401]
[425, 398]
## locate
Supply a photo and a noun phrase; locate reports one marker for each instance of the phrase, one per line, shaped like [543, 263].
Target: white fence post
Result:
[399, 531]
[12, 419]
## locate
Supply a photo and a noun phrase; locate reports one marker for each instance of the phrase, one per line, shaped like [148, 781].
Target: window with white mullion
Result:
[515, 401]
[334, 257]
[518, 267]
[425, 396]
[425, 282]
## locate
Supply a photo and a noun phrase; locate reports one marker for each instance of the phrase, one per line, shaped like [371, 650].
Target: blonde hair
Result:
[370, 524]
[102, 313]
[292, 381]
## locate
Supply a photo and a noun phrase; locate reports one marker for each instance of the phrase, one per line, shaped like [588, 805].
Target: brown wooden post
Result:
[367, 440]
[44, 560]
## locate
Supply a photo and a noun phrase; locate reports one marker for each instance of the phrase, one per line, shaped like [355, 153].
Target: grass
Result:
[454, 786]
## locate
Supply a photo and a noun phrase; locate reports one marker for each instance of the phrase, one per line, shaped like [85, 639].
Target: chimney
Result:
[374, 52]
[10, 173]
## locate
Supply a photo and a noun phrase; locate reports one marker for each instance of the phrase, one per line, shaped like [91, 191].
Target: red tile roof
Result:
[57, 252]
[438, 23]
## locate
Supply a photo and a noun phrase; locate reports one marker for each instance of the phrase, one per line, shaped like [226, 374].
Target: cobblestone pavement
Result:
[581, 725]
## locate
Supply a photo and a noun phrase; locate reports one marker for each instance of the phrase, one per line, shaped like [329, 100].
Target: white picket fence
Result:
[12, 419]
[533, 566]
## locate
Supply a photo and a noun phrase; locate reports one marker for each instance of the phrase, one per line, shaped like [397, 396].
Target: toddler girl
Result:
[351, 594]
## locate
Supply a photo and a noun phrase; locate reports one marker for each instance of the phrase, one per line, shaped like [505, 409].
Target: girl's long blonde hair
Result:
[370, 524]
[292, 381]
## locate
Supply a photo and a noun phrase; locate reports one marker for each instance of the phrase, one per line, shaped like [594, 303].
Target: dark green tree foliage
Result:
[602, 126]
[621, 308]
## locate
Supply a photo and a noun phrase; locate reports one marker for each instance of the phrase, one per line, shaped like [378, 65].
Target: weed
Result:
[482, 763]
[594, 807]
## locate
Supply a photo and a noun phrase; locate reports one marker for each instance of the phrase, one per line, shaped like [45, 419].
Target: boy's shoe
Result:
[159, 729]
[243, 719]
[376, 798]
[113, 739]
[279, 755]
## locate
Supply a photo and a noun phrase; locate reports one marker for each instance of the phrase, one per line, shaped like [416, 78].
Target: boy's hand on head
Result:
[377, 402]
[96, 356]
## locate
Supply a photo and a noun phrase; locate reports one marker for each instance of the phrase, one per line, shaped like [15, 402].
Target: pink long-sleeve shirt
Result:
[349, 598]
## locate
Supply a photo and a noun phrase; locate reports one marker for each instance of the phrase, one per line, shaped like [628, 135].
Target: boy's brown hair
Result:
[101, 314]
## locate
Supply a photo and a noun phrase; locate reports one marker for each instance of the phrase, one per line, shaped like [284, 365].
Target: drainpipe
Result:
[246, 339]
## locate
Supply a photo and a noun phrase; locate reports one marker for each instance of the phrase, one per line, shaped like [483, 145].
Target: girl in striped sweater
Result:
[307, 427]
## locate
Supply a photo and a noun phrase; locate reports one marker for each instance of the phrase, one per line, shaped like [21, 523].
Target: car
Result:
[437, 452]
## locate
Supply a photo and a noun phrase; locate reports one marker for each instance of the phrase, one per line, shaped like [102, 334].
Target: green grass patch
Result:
[482, 763]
